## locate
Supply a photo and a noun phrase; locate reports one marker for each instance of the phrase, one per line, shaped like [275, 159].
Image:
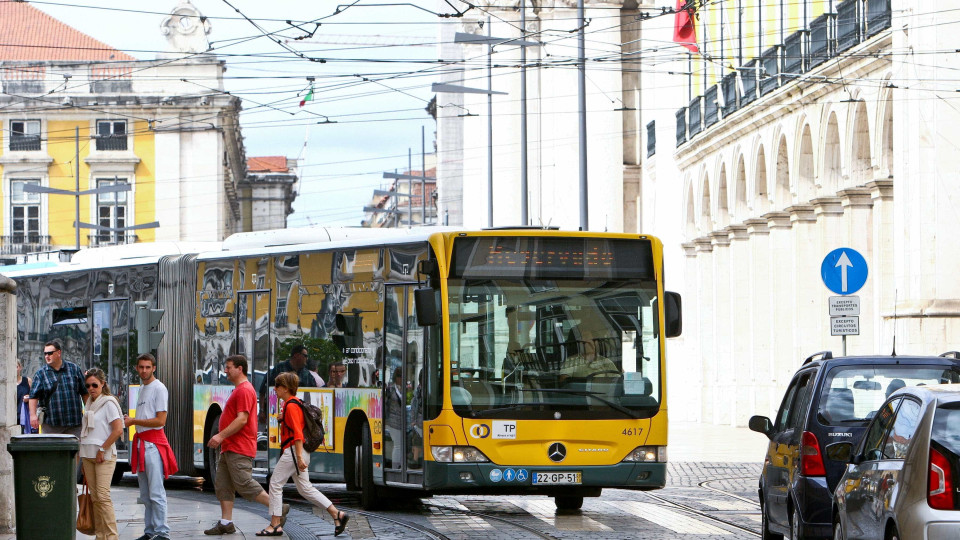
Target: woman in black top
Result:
[23, 393]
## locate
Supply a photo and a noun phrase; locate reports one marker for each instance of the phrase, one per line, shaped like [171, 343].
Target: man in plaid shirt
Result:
[59, 388]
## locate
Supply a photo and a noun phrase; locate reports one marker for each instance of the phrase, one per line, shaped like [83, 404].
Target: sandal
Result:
[277, 531]
[340, 522]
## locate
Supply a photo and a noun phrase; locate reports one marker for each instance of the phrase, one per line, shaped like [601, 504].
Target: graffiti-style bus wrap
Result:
[499, 361]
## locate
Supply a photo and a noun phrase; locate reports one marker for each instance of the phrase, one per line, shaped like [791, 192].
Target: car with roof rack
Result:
[828, 400]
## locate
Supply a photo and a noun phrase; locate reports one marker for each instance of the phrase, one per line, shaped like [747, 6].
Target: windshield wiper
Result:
[593, 395]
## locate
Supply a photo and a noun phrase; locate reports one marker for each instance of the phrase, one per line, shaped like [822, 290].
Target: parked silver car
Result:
[902, 479]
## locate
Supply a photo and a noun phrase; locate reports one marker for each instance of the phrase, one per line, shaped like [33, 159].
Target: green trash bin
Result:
[45, 485]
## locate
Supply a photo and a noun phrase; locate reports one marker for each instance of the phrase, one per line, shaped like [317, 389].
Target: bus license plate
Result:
[556, 478]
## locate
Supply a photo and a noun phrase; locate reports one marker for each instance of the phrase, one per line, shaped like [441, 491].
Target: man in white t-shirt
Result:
[151, 457]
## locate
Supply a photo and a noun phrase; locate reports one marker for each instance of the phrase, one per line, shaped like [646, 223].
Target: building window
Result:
[111, 212]
[24, 135]
[24, 212]
[111, 135]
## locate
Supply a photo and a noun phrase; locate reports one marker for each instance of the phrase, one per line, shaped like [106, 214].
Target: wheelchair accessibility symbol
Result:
[521, 475]
[480, 431]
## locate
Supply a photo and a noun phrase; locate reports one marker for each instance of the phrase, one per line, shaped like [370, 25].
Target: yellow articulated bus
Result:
[521, 361]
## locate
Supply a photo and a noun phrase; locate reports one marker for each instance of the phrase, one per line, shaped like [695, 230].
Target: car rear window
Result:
[852, 394]
[946, 427]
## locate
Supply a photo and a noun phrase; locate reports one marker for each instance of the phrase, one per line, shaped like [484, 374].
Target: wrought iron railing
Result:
[24, 142]
[21, 244]
[748, 75]
[681, 125]
[694, 116]
[711, 112]
[877, 16]
[112, 142]
[107, 239]
[728, 86]
[848, 24]
[794, 55]
[821, 42]
[651, 138]
[770, 75]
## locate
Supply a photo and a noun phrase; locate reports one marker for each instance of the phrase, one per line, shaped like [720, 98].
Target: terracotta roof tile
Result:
[26, 33]
[267, 164]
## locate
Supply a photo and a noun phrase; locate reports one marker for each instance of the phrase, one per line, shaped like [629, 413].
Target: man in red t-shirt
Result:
[237, 440]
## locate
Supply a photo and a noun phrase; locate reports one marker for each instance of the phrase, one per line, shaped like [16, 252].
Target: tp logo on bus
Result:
[479, 431]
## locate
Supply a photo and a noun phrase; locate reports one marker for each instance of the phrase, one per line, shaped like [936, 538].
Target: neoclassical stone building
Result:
[839, 135]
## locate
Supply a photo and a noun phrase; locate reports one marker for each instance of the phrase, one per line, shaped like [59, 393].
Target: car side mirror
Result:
[841, 451]
[761, 424]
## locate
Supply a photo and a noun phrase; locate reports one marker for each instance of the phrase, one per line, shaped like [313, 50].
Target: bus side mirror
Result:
[425, 303]
[672, 314]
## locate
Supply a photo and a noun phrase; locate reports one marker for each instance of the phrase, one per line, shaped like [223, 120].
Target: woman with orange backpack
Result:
[293, 460]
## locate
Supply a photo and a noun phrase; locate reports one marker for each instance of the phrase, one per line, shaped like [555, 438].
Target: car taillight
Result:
[940, 484]
[811, 462]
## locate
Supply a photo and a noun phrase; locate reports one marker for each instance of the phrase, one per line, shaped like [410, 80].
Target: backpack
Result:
[312, 426]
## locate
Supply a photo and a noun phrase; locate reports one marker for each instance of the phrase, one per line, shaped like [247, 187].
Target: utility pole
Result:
[423, 177]
[523, 114]
[582, 104]
[76, 161]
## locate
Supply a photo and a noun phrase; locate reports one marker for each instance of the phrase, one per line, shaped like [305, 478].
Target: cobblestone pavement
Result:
[701, 500]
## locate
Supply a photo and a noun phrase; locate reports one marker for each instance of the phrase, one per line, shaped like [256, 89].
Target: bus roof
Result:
[108, 257]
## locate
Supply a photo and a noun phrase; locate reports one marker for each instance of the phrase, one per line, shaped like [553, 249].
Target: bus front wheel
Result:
[369, 493]
[568, 502]
[211, 455]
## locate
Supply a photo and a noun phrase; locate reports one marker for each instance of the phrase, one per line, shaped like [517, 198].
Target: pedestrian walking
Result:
[237, 440]
[102, 426]
[56, 393]
[23, 400]
[151, 457]
[293, 461]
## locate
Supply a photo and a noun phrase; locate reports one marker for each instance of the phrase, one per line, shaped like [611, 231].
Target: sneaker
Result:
[145, 537]
[160, 537]
[220, 528]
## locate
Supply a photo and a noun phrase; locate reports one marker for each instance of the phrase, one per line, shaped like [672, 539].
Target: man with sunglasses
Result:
[59, 388]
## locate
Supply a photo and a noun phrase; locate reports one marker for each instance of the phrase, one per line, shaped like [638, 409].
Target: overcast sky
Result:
[376, 122]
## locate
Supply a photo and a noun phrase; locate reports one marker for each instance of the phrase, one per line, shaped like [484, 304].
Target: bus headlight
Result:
[648, 454]
[457, 454]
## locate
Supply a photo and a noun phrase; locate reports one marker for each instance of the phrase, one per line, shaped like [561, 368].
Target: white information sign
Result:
[844, 326]
[844, 306]
[504, 429]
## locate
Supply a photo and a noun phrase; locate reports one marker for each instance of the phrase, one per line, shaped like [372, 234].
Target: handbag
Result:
[85, 513]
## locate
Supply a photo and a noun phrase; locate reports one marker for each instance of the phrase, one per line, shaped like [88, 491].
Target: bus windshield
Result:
[548, 349]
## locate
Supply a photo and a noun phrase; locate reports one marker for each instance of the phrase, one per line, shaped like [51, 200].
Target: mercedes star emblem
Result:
[557, 452]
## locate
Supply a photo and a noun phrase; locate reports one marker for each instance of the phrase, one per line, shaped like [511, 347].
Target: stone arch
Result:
[885, 144]
[690, 221]
[805, 187]
[861, 167]
[831, 173]
[781, 195]
[740, 208]
[723, 211]
[760, 195]
[706, 217]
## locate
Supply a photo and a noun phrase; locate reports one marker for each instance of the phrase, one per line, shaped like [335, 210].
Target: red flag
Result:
[685, 28]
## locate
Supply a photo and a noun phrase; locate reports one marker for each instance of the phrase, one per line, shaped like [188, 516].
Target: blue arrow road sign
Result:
[844, 271]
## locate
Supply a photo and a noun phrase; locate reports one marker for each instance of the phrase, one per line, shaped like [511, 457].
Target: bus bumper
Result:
[491, 478]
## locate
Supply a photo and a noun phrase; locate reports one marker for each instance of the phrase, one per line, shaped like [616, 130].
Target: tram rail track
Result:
[702, 514]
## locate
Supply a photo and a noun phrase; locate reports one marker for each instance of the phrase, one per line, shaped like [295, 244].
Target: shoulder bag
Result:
[85, 513]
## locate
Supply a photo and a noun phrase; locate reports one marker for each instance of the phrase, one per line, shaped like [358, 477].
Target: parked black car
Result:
[828, 400]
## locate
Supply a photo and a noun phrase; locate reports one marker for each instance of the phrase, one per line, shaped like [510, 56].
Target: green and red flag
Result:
[308, 97]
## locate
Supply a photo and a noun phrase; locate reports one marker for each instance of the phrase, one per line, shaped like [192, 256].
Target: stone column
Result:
[723, 321]
[8, 395]
[882, 265]
[685, 370]
[807, 314]
[830, 233]
[858, 221]
[758, 290]
[736, 368]
[707, 318]
[783, 279]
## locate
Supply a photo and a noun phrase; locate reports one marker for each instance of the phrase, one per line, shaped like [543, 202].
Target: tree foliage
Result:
[322, 352]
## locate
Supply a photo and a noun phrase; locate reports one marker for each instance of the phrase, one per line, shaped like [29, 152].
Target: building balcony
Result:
[112, 143]
[21, 244]
[22, 143]
[100, 240]
[827, 37]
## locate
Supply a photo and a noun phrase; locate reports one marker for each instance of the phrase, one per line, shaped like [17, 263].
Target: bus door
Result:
[253, 342]
[112, 351]
[403, 389]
